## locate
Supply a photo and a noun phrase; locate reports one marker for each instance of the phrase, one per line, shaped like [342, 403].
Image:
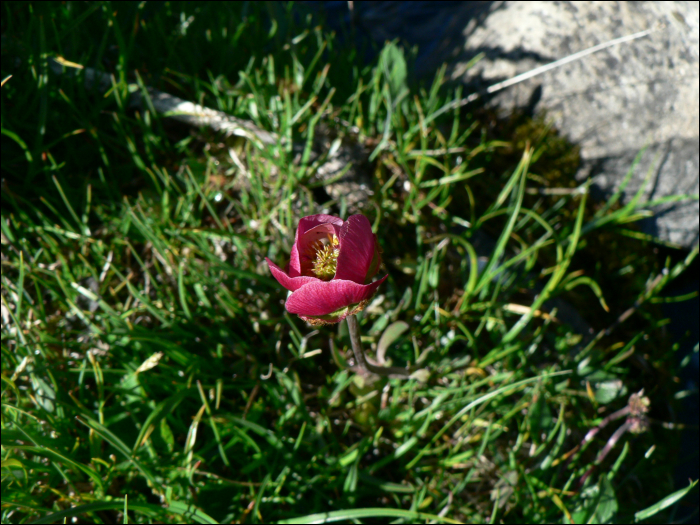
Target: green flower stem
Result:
[364, 366]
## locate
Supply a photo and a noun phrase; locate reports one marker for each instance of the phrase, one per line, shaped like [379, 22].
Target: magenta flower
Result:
[331, 268]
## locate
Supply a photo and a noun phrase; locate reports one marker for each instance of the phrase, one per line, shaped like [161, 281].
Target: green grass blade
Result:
[188, 513]
[357, 514]
[664, 503]
[119, 445]
[519, 175]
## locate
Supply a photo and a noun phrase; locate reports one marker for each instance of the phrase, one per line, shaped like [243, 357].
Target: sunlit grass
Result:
[149, 366]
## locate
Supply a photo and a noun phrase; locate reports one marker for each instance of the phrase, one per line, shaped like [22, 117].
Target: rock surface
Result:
[614, 102]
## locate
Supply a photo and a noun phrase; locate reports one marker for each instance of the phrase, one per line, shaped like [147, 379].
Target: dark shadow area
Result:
[436, 28]
[684, 332]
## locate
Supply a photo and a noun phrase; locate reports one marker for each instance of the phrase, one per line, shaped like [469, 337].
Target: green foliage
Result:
[150, 371]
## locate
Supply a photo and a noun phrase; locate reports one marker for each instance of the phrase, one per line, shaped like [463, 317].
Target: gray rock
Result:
[614, 102]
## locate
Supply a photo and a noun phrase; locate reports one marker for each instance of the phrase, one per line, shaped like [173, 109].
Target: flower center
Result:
[325, 257]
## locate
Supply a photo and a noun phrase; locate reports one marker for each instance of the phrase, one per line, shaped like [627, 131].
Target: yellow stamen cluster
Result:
[326, 257]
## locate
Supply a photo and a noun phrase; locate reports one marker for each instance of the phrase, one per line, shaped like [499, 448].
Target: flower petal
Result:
[294, 263]
[321, 298]
[298, 258]
[357, 247]
[304, 246]
[290, 283]
[306, 223]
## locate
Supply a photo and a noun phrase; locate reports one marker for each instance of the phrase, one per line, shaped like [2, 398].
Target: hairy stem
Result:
[363, 364]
